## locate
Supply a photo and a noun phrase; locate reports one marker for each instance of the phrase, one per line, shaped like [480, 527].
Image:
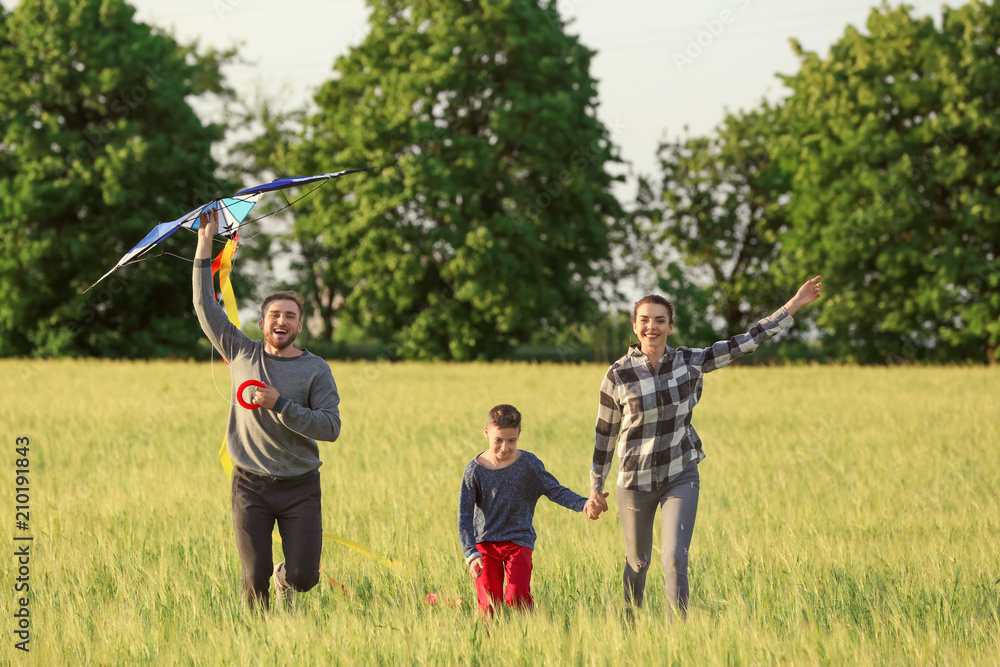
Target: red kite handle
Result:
[239, 393]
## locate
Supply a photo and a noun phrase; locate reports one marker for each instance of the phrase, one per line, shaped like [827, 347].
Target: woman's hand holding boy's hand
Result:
[596, 505]
[475, 567]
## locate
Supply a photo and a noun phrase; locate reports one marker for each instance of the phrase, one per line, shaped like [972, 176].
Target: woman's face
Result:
[652, 324]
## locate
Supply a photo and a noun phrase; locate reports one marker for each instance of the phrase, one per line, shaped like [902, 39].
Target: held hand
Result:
[209, 222]
[265, 396]
[809, 292]
[595, 505]
[209, 225]
[475, 567]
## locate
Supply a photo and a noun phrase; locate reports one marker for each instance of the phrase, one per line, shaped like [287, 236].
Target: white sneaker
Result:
[284, 595]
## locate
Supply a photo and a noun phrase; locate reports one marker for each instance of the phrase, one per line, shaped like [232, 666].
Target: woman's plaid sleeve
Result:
[609, 420]
[726, 351]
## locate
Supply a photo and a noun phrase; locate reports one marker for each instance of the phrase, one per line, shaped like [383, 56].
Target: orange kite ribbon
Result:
[223, 265]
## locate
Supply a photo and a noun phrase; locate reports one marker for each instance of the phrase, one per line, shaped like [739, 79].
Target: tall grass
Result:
[847, 515]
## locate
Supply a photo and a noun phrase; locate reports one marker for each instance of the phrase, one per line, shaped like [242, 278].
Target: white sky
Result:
[644, 94]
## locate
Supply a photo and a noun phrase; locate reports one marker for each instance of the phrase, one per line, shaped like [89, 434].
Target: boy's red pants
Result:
[499, 558]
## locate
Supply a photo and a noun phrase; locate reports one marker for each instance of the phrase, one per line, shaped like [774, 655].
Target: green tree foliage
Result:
[314, 241]
[711, 223]
[890, 144]
[260, 158]
[490, 214]
[98, 144]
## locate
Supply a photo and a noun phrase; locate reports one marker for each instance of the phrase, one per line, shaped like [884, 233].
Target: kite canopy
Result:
[233, 211]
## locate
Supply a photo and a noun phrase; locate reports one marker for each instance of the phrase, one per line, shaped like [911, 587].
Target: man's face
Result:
[281, 323]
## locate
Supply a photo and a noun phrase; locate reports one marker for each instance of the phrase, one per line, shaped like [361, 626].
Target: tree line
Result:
[488, 224]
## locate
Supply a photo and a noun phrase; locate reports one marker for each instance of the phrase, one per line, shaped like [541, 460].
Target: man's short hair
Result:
[283, 296]
[505, 416]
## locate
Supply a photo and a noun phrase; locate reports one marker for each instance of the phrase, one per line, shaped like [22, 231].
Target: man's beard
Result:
[289, 339]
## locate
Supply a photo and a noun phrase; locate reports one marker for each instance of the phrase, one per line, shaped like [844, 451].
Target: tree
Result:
[711, 225]
[98, 144]
[262, 157]
[891, 148]
[490, 213]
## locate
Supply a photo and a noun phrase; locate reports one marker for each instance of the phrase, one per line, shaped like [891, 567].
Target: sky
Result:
[662, 65]
[665, 68]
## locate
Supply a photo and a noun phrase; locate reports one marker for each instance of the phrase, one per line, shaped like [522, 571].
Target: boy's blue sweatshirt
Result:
[496, 505]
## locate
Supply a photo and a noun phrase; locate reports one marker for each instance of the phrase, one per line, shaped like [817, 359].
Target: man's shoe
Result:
[284, 595]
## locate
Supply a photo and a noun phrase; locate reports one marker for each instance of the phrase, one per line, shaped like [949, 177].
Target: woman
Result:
[647, 398]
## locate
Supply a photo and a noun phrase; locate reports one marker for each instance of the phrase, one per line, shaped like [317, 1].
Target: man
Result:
[273, 448]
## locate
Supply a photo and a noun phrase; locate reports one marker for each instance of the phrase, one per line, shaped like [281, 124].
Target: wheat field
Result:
[847, 516]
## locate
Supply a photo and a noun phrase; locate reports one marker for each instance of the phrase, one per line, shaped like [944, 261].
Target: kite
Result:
[233, 211]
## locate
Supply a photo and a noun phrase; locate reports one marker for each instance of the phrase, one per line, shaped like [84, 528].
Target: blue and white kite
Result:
[233, 211]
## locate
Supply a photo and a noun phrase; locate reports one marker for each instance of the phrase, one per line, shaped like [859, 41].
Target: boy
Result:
[496, 506]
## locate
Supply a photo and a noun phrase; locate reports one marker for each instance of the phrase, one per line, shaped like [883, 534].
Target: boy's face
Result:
[503, 441]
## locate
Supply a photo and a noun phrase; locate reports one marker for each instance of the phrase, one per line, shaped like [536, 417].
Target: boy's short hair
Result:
[505, 416]
[283, 296]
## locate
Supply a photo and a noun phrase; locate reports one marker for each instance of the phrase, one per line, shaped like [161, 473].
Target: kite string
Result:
[213, 378]
[223, 453]
[163, 230]
[227, 256]
[163, 252]
[287, 205]
[212, 352]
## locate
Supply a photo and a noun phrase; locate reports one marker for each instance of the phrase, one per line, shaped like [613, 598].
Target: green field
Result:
[847, 516]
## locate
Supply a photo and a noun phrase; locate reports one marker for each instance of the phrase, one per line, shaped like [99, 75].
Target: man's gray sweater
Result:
[280, 442]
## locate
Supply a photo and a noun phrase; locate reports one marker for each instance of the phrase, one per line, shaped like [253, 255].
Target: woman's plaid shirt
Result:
[647, 410]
